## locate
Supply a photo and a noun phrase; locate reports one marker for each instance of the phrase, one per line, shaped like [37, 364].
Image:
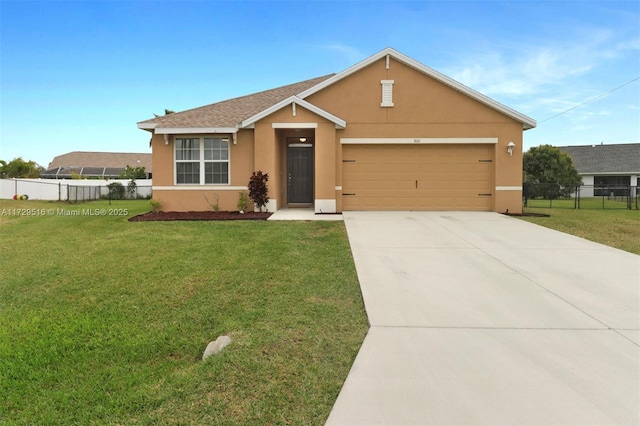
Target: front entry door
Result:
[300, 173]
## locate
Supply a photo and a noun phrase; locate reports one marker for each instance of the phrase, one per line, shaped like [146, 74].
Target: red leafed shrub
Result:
[258, 191]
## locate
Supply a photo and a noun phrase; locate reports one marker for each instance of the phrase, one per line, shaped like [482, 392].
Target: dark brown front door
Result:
[300, 173]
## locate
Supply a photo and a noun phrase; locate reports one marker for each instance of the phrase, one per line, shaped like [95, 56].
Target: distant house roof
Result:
[230, 115]
[96, 164]
[603, 159]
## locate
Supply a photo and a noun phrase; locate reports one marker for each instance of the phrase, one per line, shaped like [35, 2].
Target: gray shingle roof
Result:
[102, 159]
[616, 158]
[230, 112]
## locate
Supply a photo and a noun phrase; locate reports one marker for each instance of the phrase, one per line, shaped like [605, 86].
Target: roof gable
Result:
[527, 122]
[599, 159]
[340, 123]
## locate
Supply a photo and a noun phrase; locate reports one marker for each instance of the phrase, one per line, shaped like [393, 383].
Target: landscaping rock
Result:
[216, 346]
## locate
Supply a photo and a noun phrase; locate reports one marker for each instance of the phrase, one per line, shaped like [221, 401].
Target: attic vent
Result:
[387, 93]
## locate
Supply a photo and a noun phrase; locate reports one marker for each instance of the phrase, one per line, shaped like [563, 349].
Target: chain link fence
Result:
[113, 191]
[551, 195]
[74, 191]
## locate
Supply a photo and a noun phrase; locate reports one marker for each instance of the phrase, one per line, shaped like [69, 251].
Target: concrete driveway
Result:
[483, 319]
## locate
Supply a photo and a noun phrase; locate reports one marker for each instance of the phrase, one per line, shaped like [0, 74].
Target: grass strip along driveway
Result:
[105, 321]
[615, 228]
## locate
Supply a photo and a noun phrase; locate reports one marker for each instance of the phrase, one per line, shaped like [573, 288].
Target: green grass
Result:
[104, 321]
[618, 228]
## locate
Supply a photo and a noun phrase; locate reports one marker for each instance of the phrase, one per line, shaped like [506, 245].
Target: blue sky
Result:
[78, 75]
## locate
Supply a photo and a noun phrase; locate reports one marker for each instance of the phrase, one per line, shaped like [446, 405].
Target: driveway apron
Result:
[483, 319]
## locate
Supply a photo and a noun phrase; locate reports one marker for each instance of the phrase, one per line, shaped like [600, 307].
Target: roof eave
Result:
[610, 173]
[193, 130]
[250, 122]
[147, 126]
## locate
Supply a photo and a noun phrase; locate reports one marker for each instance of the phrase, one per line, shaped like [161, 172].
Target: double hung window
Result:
[202, 160]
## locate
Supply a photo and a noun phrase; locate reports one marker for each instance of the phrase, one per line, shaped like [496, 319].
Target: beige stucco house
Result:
[388, 133]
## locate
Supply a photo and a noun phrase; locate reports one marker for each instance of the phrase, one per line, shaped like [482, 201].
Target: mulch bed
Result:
[527, 214]
[207, 215]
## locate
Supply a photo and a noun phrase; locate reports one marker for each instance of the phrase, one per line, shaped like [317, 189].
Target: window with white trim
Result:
[202, 160]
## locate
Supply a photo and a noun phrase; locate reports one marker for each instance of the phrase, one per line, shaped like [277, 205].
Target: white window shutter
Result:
[387, 93]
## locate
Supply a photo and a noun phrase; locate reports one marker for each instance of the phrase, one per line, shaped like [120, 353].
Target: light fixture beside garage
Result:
[303, 139]
[510, 147]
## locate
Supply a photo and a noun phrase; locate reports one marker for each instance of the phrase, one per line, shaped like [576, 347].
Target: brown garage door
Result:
[417, 177]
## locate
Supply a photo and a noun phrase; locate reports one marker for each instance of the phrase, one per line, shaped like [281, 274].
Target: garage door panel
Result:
[479, 186]
[409, 177]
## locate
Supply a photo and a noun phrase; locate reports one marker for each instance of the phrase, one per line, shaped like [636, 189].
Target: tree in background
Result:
[549, 173]
[18, 168]
[133, 173]
[166, 112]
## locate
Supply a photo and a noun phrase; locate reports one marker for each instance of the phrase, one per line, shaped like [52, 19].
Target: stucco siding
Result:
[162, 161]
[190, 199]
[420, 106]
[423, 108]
[417, 98]
[174, 197]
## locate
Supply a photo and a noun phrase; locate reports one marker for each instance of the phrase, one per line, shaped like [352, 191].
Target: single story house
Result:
[606, 169]
[97, 165]
[388, 133]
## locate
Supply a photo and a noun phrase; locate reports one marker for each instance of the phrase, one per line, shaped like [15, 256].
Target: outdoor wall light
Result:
[303, 139]
[166, 139]
[510, 147]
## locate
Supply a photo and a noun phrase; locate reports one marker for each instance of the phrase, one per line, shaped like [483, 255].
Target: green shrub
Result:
[116, 191]
[243, 202]
[132, 189]
[215, 205]
[155, 205]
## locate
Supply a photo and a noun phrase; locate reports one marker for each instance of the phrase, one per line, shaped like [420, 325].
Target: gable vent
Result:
[387, 93]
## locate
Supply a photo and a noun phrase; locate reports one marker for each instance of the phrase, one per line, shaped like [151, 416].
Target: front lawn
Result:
[618, 228]
[104, 321]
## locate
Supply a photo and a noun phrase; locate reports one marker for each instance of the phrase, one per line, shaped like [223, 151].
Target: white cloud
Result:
[523, 73]
[535, 68]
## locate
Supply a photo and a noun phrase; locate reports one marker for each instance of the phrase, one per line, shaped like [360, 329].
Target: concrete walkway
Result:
[302, 213]
[483, 319]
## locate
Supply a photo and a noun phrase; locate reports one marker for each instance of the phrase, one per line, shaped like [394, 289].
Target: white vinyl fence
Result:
[70, 189]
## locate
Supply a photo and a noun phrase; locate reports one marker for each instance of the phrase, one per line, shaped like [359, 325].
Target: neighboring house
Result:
[606, 169]
[388, 133]
[102, 165]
